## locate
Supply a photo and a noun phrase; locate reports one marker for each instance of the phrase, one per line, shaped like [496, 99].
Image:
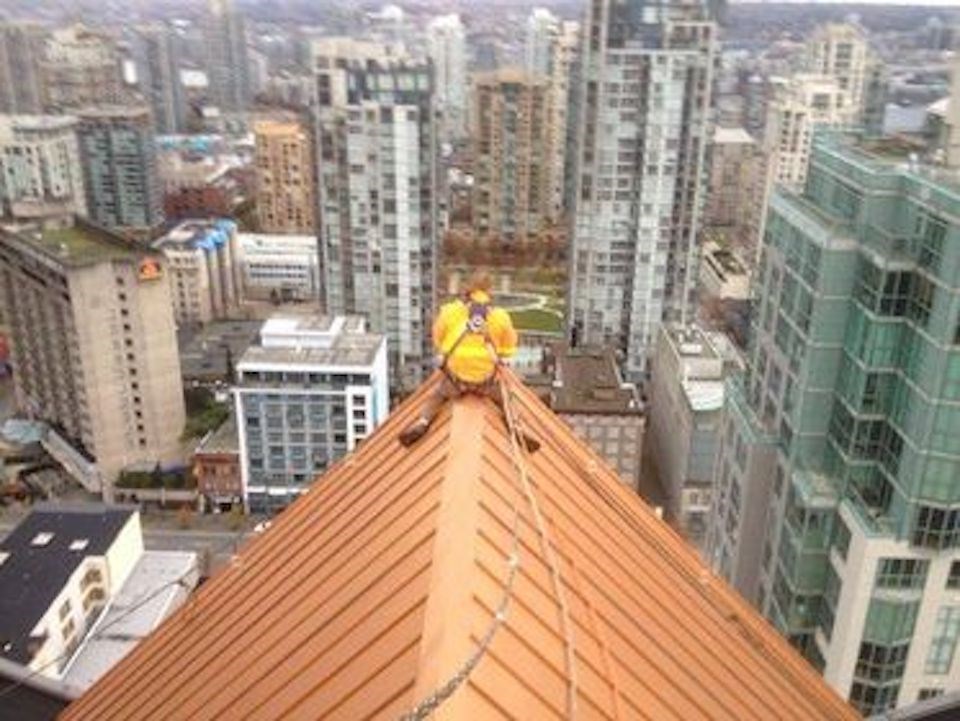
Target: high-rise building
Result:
[285, 180]
[446, 46]
[228, 69]
[512, 156]
[313, 388]
[838, 477]
[551, 51]
[81, 67]
[21, 53]
[157, 54]
[120, 168]
[842, 51]
[94, 344]
[377, 158]
[686, 402]
[736, 188]
[41, 176]
[204, 269]
[644, 128]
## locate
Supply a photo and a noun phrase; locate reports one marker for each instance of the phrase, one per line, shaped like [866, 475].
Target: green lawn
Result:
[537, 320]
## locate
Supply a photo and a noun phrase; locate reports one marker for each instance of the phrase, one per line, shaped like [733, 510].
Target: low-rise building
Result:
[722, 274]
[199, 186]
[208, 353]
[313, 388]
[280, 267]
[204, 274]
[64, 572]
[216, 466]
[586, 390]
[686, 404]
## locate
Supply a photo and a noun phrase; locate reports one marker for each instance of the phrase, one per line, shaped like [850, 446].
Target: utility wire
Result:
[99, 633]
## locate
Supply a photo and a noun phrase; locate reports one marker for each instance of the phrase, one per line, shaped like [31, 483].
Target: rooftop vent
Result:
[78, 544]
[42, 539]
[3, 557]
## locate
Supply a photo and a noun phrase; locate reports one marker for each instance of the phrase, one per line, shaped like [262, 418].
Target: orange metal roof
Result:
[373, 589]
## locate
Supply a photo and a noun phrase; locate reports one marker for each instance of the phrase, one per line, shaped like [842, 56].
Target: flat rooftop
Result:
[79, 245]
[586, 380]
[203, 353]
[197, 235]
[347, 350]
[223, 440]
[158, 584]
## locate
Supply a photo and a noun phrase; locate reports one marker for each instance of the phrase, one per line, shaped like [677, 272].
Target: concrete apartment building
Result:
[69, 571]
[157, 54]
[228, 67]
[551, 50]
[280, 267]
[736, 189]
[512, 156]
[81, 67]
[842, 51]
[21, 82]
[313, 388]
[645, 124]
[684, 411]
[41, 176]
[845, 432]
[119, 158]
[94, 345]
[285, 180]
[204, 267]
[584, 387]
[447, 49]
[377, 158]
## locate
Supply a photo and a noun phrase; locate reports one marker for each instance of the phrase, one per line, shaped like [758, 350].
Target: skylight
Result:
[78, 544]
[42, 539]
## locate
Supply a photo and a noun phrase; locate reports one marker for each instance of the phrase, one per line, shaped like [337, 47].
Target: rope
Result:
[516, 431]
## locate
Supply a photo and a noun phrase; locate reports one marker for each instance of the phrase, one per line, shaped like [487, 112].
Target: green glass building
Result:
[841, 444]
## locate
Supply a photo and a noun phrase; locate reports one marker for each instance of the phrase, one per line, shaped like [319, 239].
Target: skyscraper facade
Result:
[644, 128]
[285, 180]
[446, 46]
[838, 479]
[94, 344]
[512, 156]
[41, 176]
[377, 158]
[228, 67]
[81, 67]
[21, 53]
[158, 75]
[120, 168]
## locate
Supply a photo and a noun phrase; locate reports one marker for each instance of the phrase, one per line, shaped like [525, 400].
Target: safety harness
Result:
[476, 325]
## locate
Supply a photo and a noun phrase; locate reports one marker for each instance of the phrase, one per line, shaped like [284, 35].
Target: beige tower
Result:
[513, 155]
[93, 344]
[286, 186]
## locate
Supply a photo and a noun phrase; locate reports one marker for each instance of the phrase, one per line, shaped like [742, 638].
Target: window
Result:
[926, 693]
[944, 641]
[901, 573]
[65, 609]
[953, 579]
[841, 538]
[936, 527]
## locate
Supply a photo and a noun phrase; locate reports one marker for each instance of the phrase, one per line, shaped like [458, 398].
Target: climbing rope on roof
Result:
[516, 431]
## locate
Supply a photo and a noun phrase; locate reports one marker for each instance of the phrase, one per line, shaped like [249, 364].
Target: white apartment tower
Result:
[446, 45]
[41, 177]
[644, 128]
[377, 148]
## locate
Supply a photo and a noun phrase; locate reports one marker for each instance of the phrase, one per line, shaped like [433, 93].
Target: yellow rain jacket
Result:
[472, 359]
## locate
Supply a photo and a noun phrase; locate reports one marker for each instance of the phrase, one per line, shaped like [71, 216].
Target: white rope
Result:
[516, 432]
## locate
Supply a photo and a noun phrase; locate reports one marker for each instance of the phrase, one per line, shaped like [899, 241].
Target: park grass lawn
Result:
[537, 320]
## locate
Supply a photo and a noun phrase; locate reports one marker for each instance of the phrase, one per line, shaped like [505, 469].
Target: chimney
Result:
[953, 116]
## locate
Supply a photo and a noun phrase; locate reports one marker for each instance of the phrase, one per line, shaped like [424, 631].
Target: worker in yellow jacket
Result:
[472, 337]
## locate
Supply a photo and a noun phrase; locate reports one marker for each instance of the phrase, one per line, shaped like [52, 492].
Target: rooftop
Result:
[38, 562]
[197, 235]
[223, 440]
[203, 352]
[732, 136]
[163, 577]
[373, 589]
[79, 245]
[585, 380]
[297, 339]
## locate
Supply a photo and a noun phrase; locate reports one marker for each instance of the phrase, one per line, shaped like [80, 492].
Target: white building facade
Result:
[279, 267]
[644, 128]
[312, 390]
[446, 46]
